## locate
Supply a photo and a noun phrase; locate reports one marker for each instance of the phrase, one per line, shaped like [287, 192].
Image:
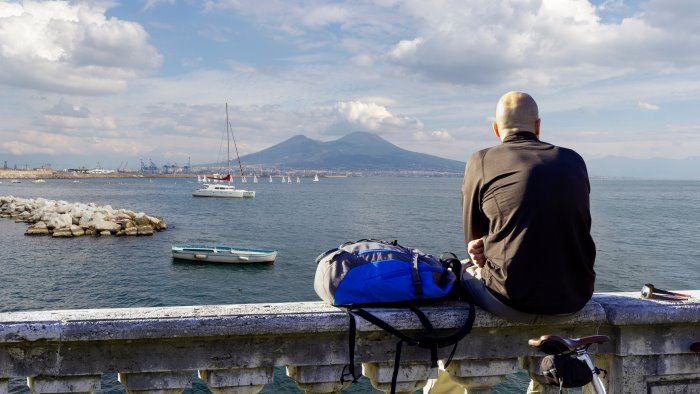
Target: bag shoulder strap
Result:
[426, 340]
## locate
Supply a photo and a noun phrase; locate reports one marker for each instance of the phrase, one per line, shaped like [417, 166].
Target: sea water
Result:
[645, 231]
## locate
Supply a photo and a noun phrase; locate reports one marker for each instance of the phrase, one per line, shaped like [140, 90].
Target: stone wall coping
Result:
[652, 346]
[303, 318]
[629, 308]
[240, 319]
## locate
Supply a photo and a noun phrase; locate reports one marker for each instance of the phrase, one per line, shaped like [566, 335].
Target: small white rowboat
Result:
[224, 254]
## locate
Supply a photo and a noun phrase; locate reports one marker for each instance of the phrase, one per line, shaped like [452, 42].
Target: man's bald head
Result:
[515, 112]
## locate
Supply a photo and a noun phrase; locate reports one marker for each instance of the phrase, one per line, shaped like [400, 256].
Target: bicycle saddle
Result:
[553, 344]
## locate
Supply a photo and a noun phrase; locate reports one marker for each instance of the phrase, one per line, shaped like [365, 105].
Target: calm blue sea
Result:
[645, 231]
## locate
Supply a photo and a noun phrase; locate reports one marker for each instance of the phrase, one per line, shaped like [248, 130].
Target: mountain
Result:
[359, 151]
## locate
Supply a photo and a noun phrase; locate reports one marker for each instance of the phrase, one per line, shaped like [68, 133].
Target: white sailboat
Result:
[255, 178]
[270, 178]
[221, 190]
[316, 178]
[298, 180]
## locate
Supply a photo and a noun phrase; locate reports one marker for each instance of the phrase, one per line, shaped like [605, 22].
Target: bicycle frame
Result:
[582, 354]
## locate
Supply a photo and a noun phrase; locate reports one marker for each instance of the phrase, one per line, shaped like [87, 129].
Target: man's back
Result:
[530, 200]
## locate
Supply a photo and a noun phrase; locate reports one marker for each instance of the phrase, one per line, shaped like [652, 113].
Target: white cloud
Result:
[437, 135]
[70, 47]
[37, 142]
[648, 106]
[369, 116]
[541, 43]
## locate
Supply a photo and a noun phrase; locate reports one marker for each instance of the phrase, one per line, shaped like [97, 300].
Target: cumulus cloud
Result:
[437, 135]
[543, 43]
[648, 106]
[72, 48]
[369, 116]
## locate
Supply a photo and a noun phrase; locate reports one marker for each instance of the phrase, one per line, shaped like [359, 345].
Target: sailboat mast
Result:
[228, 148]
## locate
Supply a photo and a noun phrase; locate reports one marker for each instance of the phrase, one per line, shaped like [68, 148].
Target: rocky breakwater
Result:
[63, 219]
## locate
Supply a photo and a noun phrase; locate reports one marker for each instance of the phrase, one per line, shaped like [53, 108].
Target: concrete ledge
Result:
[246, 319]
[236, 346]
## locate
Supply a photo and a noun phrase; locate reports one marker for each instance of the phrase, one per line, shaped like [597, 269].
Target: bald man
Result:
[527, 225]
[525, 210]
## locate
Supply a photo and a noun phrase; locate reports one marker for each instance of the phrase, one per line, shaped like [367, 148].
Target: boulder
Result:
[103, 223]
[157, 223]
[57, 220]
[23, 217]
[38, 228]
[131, 230]
[144, 230]
[86, 219]
[63, 207]
[77, 231]
[141, 219]
[60, 232]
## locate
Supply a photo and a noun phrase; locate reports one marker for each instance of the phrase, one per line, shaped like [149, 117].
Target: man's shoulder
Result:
[477, 158]
[482, 152]
[569, 152]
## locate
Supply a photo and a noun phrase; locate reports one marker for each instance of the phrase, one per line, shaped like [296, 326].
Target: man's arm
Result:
[474, 222]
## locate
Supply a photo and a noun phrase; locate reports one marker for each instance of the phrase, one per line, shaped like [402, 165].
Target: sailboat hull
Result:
[224, 191]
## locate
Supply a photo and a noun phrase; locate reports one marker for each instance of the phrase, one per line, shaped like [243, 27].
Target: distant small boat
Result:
[316, 178]
[298, 180]
[224, 254]
[15, 181]
[38, 181]
[255, 179]
[270, 178]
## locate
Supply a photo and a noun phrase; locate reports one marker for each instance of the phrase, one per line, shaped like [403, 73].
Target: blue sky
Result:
[109, 82]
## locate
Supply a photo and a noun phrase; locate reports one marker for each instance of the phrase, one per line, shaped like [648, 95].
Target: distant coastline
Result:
[51, 174]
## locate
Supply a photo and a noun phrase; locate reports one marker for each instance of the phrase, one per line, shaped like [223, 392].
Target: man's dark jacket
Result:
[530, 201]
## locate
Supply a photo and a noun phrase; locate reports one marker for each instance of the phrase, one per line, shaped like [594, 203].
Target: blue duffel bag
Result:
[371, 273]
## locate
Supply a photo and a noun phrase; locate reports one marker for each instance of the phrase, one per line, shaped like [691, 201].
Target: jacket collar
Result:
[521, 136]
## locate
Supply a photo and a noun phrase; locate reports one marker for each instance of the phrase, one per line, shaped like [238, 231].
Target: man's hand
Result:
[475, 249]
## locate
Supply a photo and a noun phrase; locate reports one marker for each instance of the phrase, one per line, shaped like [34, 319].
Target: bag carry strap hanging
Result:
[428, 340]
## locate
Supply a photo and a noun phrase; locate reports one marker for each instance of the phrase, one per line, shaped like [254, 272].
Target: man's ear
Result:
[537, 127]
[495, 130]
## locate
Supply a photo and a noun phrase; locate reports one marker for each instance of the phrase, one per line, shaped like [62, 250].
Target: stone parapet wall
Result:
[234, 348]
